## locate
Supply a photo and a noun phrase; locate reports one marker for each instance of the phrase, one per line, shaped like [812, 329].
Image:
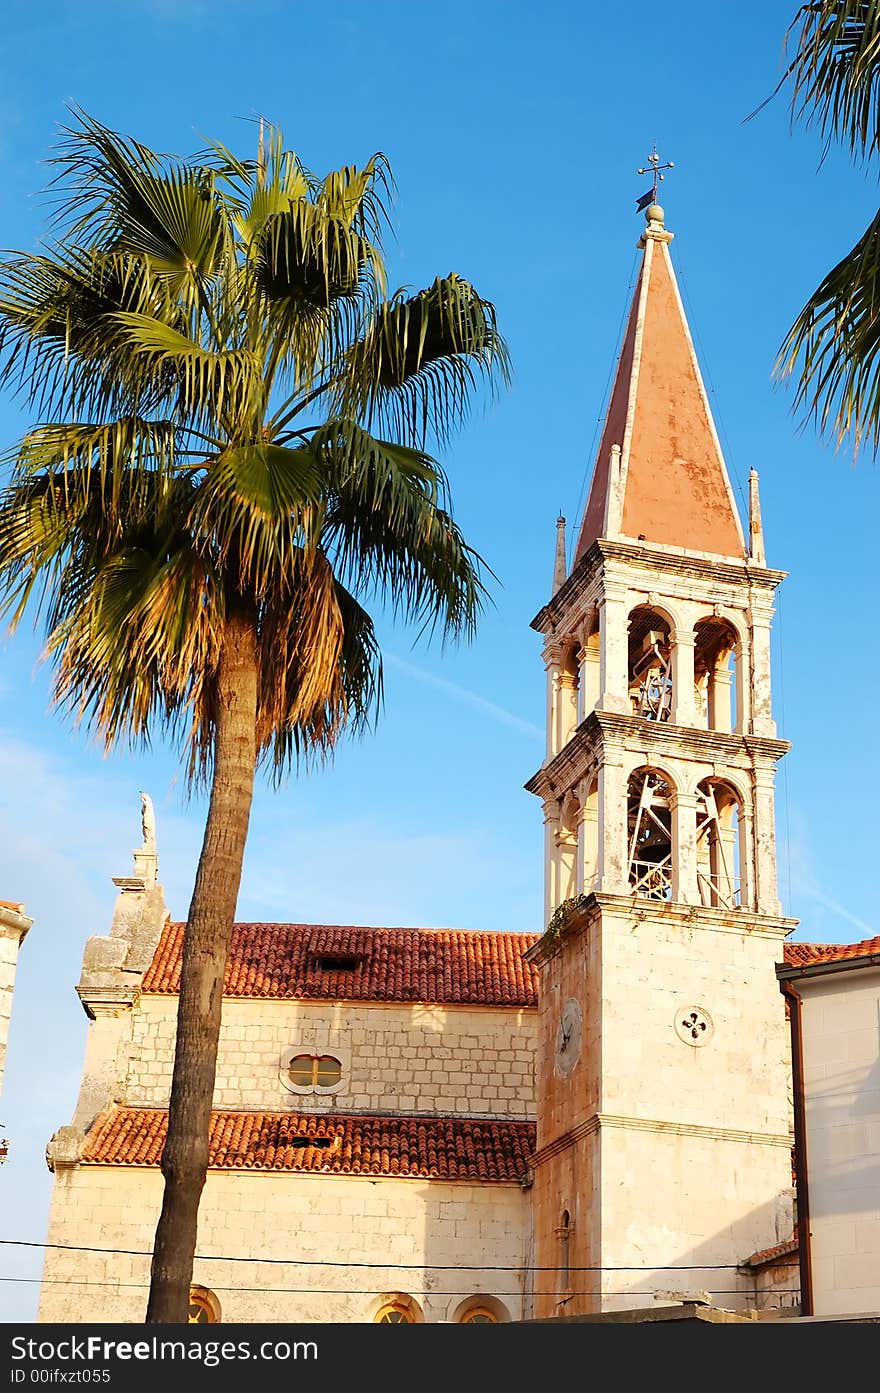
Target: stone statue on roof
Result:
[148, 823]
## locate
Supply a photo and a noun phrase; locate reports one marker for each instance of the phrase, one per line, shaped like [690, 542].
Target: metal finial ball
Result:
[654, 213]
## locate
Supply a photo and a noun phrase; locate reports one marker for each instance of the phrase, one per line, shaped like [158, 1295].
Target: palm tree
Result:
[232, 456]
[833, 347]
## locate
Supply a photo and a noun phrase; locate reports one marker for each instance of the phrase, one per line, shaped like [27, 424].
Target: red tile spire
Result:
[669, 483]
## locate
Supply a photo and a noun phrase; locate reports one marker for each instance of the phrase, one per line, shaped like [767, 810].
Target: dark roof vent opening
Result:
[336, 962]
[300, 1143]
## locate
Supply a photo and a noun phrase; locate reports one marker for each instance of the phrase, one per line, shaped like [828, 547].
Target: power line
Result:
[369, 1291]
[383, 1266]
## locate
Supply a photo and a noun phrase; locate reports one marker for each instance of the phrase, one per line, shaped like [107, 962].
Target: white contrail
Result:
[867, 930]
[498, 713]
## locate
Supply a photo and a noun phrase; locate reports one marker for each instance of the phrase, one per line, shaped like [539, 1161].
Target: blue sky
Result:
[514, 131]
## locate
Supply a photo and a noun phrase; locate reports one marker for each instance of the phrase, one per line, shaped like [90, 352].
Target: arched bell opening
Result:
[650, 664]
[649, 831]
[717, 675]
[719, 849]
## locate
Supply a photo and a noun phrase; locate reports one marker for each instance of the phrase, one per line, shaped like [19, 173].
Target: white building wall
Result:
[841, 1050]
[409, 1232]
[13, 927]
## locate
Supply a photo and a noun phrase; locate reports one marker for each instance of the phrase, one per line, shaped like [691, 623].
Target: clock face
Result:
[569, 1033]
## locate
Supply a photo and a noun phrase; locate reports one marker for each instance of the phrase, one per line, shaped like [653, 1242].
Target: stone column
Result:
[551, 858]
[589, 664]
[719, 699]
[746, 858]
[552, 657]
[766, 893]
[566, 706]
[611, 869]
[588, 843]
[685, 886]
[743, 685]
[683, 709]
[762, 711]
[614, 650]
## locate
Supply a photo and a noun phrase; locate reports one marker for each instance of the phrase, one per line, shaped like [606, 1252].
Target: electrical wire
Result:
[369, 1291]
[383, 1266]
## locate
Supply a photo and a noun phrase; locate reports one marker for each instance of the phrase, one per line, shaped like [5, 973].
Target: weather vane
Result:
[655, 171]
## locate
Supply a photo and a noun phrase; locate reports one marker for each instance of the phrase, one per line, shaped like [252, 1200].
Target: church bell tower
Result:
[663, 1151]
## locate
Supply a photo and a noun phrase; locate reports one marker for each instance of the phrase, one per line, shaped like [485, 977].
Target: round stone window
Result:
[693, 1025]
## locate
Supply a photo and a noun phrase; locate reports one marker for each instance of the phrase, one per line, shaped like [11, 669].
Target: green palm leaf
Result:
[835, 71]
[833, 346]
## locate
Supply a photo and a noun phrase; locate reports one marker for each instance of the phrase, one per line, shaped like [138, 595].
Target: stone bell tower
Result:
[663, 1152]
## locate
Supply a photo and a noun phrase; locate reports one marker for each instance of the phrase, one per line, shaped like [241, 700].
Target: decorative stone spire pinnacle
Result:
[560, 570]
[756, 531]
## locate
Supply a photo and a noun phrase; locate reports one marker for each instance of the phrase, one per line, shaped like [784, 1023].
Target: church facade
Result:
[450, 1125]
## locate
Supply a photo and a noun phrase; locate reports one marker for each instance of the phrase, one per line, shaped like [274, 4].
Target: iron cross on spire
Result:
[655, 170]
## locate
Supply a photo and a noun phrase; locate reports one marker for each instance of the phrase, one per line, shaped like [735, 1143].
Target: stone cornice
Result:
[659, 560]
[107, 1000]
[584, 747]
[14, 923]
[600, 1120]
[738, 921]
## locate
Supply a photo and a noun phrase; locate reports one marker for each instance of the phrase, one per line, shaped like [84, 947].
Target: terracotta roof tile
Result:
[804, 954]
[453, 966]
[767, 1256]
[11, 904]
[436, 1148]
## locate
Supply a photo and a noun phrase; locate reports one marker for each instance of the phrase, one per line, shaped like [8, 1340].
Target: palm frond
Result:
[122, 196]
[414, 370]
[387, 531]
[252, 507]
[321, 668]
[833, 347]
[215, 385]
[835, 71]
[59, 342]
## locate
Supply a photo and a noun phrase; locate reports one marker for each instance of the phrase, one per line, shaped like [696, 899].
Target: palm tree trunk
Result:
[205, 950]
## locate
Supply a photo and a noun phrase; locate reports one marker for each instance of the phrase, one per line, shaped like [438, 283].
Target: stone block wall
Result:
[403, 1058]
[408, 1232]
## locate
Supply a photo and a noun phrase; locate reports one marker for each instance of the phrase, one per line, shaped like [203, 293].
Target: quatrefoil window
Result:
[694, 1025]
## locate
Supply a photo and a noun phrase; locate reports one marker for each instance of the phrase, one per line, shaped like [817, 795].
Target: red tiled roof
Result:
[453, 966]
[436, 1148]
[11, 904]
[805, 954]
[775, 1254]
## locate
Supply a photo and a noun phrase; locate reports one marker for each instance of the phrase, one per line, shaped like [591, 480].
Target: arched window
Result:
[398, 1309]
[480, 1310]
[204, 1308]
[314, 1071]
[649, 829]
[716, 675]
[479, 1315]
[650, 664]
[719, 866]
